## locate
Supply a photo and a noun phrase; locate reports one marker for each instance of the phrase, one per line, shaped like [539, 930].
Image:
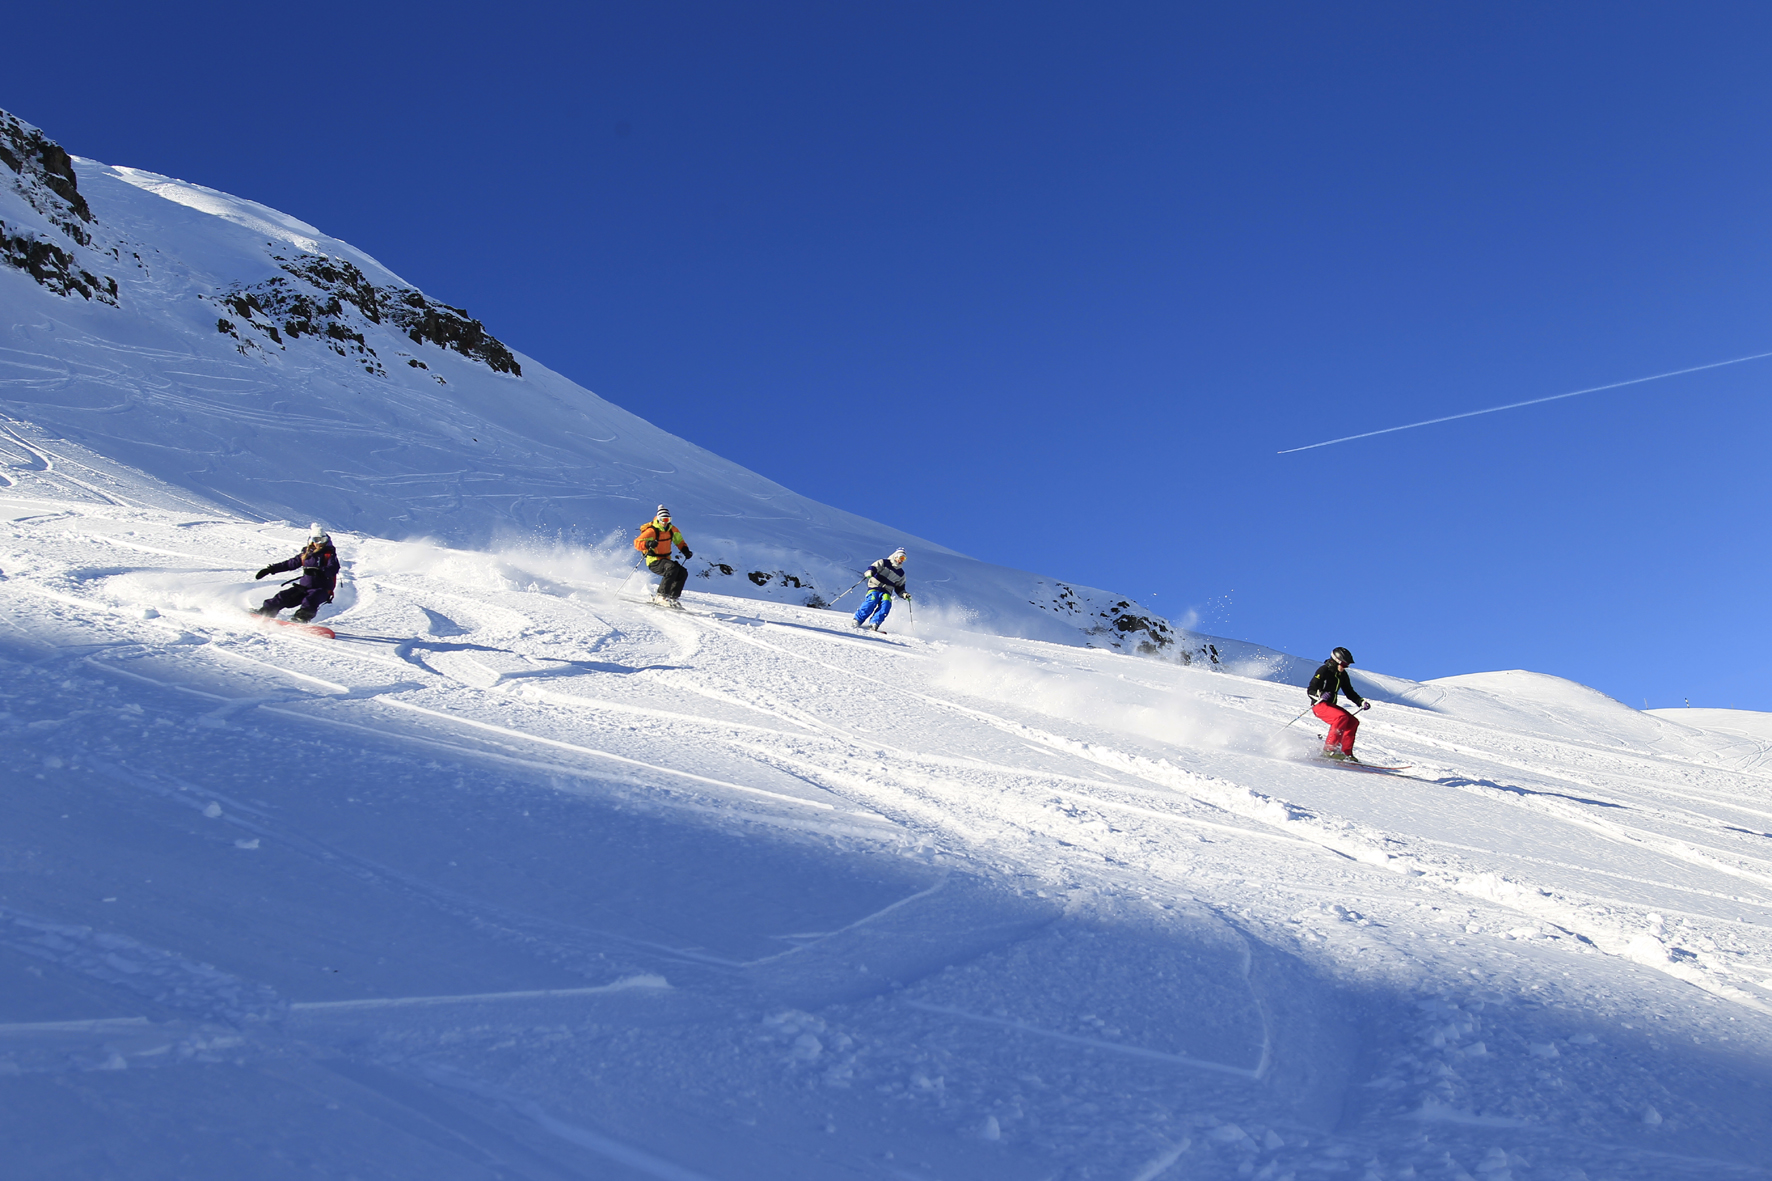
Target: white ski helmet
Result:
[897, 555]
[317, 533]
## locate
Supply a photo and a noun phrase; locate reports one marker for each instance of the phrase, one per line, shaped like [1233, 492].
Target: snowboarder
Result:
[655, 540]
[1330, 681]
[885, 579]
[318, 563]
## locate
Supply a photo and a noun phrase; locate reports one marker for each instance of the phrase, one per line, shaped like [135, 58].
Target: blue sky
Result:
[1052, 284]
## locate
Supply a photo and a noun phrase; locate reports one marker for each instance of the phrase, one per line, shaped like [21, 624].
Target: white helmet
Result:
[317, 533]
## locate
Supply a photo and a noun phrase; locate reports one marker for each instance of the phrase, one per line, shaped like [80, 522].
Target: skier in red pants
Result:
[1330, 681]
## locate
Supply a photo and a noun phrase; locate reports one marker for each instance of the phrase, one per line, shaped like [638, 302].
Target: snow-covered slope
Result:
[519, 878]
[248, 359]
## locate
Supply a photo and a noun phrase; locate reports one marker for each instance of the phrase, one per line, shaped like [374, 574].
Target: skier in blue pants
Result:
[885, 579]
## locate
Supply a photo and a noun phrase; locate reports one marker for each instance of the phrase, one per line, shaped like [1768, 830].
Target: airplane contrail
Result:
[1516, 405]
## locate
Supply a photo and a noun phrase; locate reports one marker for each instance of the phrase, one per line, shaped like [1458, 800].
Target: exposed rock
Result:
[332, 299]
[42, 174]
[53, 267]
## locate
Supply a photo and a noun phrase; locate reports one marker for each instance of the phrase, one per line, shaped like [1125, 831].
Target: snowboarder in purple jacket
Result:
[318, 563]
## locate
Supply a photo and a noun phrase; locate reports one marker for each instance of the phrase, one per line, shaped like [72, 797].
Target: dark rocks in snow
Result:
[427, 321]
[43, 175]
[1157, 634]
[1122, 624]
[46, 177]
[53, 267]
[329, 298]
[764, 578]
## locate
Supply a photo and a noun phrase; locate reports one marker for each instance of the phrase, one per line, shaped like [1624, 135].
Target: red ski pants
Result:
[1342, 725]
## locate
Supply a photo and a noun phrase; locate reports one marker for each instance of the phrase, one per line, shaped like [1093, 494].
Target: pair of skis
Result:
[1373, 768]
[1376, 768]
[661, 604]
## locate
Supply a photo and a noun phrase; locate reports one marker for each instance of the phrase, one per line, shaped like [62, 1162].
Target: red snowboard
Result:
[312, 629]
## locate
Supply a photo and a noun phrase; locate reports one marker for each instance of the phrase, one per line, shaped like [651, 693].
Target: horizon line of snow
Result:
[1530, 402]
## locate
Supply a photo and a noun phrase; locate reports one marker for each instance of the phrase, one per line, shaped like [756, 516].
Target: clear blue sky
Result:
[1053, 283]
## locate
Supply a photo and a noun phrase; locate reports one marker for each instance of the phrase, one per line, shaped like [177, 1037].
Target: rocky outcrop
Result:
[44, 177]
[55, 268]
[332, 300]
[42, 174]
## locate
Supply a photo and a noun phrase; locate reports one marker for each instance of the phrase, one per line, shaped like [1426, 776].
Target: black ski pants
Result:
[674, 575]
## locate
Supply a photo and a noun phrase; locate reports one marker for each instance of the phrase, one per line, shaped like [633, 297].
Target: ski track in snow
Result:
[523, 877]
[543, 883]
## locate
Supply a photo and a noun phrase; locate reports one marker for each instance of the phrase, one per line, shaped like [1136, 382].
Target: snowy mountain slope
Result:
[517, 878]
[1737, 723]
[247, 358]
[520, 878]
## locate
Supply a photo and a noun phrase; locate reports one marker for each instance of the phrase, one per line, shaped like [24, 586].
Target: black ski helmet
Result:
[1342, 656]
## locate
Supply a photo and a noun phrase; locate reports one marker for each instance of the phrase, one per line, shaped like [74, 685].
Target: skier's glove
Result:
[906, 596]
[686, 552]
[1364, 706]
[265, 571]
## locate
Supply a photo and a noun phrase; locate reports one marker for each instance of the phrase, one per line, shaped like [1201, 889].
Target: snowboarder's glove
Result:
[686, 552]
[265, 571]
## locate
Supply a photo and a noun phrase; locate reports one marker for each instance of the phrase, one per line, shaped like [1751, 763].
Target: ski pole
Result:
[1307, 709]
[858, 582]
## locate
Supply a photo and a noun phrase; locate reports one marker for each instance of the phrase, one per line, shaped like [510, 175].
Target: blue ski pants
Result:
[876, 601]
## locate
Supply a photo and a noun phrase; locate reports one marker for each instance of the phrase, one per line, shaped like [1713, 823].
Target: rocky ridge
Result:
[332, 300]
[44, 182]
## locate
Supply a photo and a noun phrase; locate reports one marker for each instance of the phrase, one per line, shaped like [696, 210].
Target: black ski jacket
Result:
[1330, 680]
[318, 566]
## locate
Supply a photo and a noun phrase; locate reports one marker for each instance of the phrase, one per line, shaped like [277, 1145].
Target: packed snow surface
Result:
[522, 876]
